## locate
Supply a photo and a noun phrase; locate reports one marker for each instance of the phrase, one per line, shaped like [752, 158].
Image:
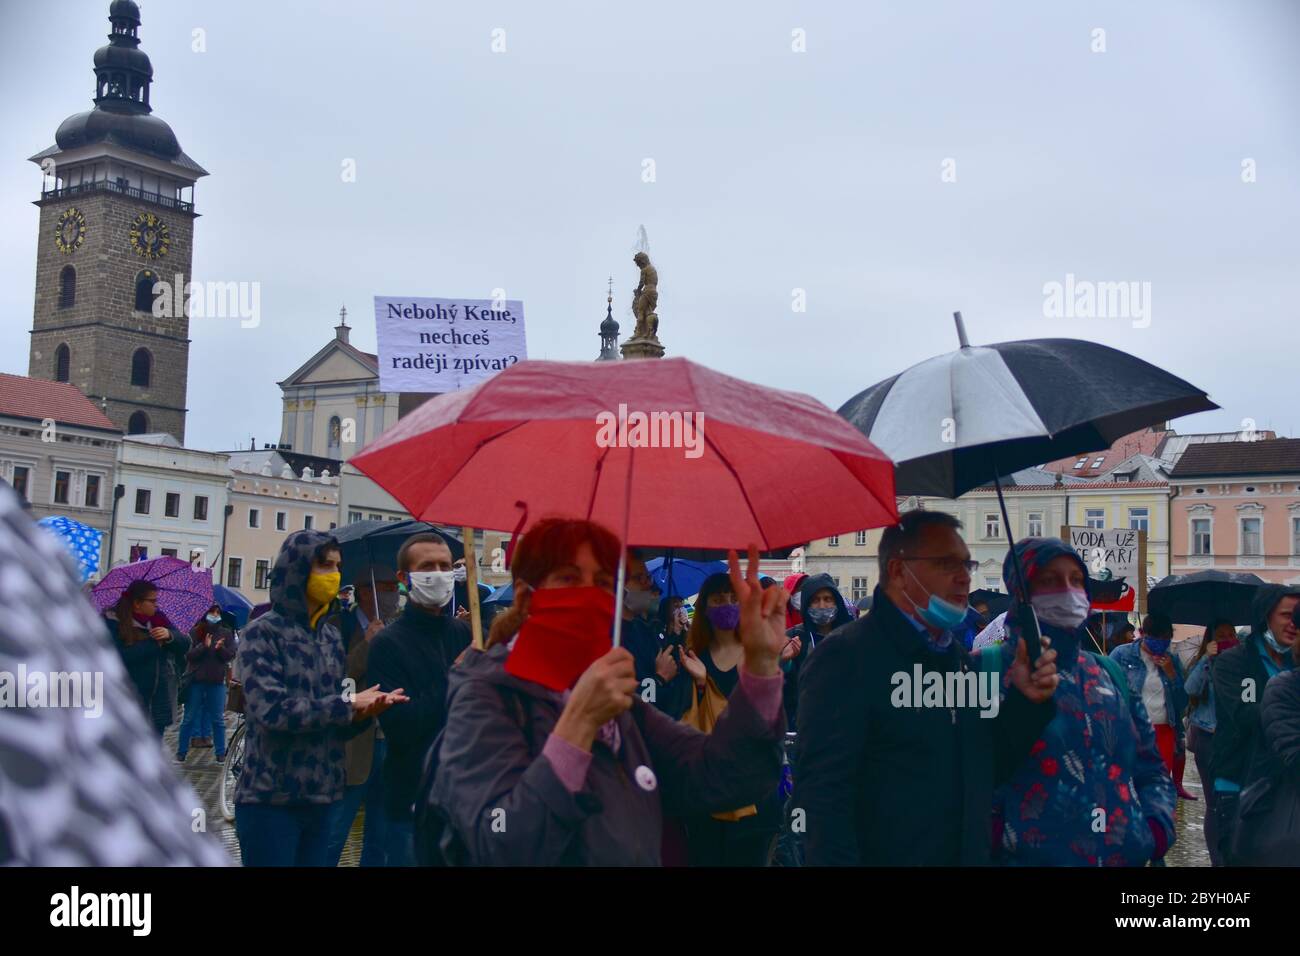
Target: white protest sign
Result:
[1112, 557]
[440, 345]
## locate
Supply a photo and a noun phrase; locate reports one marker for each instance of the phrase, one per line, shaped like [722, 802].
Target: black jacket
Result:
[152, 667]
[1239, 677]
[1279, 711]
[414, 653]
[899, 786]
[809, 638]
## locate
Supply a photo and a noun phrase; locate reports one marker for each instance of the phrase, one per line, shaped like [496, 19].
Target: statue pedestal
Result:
[639, 347]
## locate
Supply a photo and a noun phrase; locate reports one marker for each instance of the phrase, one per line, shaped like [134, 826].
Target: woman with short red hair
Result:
[551, 757]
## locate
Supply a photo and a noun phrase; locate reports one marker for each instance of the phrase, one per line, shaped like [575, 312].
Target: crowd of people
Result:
[550, 746]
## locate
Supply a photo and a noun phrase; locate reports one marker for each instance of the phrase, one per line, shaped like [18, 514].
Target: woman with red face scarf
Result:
[551, 753]
[1219, 637]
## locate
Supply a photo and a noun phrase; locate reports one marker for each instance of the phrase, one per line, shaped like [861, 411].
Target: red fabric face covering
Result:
[566, 629]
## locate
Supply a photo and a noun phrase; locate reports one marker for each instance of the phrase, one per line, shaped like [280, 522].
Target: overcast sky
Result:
[775, 170]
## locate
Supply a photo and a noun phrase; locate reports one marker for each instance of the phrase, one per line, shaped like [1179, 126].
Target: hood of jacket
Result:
[290, 573]
[1266, 599]
[817, 582]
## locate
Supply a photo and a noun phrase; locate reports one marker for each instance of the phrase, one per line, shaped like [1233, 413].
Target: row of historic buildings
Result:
[1229, 501]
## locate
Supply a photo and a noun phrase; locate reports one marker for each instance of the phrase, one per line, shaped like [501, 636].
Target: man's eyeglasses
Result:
[949, 565]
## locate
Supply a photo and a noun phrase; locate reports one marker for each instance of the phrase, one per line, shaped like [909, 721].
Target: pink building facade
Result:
[1236, 507]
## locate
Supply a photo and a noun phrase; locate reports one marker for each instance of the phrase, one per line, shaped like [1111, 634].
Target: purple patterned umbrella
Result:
[183, 593]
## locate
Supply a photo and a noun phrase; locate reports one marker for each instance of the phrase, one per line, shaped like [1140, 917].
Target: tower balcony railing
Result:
[112, 186]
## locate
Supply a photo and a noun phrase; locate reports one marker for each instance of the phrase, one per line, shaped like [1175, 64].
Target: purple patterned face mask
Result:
[724, 617]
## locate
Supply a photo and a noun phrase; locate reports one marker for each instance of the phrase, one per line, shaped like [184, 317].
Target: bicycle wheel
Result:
[230, 771]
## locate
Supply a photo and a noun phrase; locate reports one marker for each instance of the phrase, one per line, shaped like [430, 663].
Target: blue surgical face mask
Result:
[1272, 642]
[1156, 646]
[214, 618]
[938, 613]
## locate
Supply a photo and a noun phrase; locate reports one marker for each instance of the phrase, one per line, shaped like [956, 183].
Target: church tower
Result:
[117, 217]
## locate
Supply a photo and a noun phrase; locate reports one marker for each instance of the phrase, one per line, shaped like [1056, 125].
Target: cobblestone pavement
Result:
[204, 774]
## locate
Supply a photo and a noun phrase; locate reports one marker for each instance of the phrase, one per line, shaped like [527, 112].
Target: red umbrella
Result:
[745, 463]
[672, 453]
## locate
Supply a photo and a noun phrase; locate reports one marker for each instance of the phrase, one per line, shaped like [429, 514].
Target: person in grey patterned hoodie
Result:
[86, 785]
[300, 711]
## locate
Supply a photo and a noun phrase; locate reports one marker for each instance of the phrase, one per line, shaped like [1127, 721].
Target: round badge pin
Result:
[645, 778]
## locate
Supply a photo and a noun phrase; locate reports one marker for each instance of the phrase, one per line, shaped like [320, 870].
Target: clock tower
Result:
[116, 232]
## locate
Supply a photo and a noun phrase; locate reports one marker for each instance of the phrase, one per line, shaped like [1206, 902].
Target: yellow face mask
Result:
[323, 588]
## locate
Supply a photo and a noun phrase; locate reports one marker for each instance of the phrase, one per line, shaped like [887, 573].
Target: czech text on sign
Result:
[440, 345]
[1111, 556]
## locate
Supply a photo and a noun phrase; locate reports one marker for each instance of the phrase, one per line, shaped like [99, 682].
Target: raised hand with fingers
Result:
[762, 616]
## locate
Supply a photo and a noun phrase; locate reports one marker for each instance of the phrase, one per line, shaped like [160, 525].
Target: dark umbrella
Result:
[996, 600]
[1205, 596]
[367, 543]
[960, 420]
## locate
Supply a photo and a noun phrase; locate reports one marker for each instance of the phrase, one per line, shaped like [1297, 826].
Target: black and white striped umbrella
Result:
[960, 420]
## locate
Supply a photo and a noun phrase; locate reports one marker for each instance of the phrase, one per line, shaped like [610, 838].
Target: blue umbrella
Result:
[502, 595]
[233, 603]
[687, 576]
[81, 540]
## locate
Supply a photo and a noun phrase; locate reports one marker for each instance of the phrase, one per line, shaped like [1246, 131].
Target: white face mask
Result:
[796, 599]
[431, 588]
[461, 574]
[1068, 608]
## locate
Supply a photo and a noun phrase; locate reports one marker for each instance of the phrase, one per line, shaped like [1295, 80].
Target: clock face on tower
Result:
[149, 236]
[70, 230]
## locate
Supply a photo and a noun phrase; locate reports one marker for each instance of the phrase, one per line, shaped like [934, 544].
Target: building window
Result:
[200, 508]
[254, 518]
[859, 589]
[1250, 536]
[1097, 463]
[992, 582]
[234, 572]
[141, 368]
[833, 541]
[196, 560]
[1295, 534]
[144, 297]
[333, 525]
[261, 571]
[1095, 518]
[142, 496]
[281, 521]
[992, 525]
[168, 553]
[1202, 543]
[375, 517]
[1250, 489]
[67, 290]
[1139, 519]
[21, 475]
[836, 581]
[307, 522]
[137, 424]
[1035, 524]
[354, 517]
[172, 505]
[1080, 463]
[394, 519]
[62, 364]
[860, 538]
[92, 491]
[62, 486]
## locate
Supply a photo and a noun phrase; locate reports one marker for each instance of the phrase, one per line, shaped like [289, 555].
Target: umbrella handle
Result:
[1025, 616]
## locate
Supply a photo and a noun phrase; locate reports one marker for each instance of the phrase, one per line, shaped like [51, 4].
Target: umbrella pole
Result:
[1027, 617]
[622, 555]
[471, 586]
